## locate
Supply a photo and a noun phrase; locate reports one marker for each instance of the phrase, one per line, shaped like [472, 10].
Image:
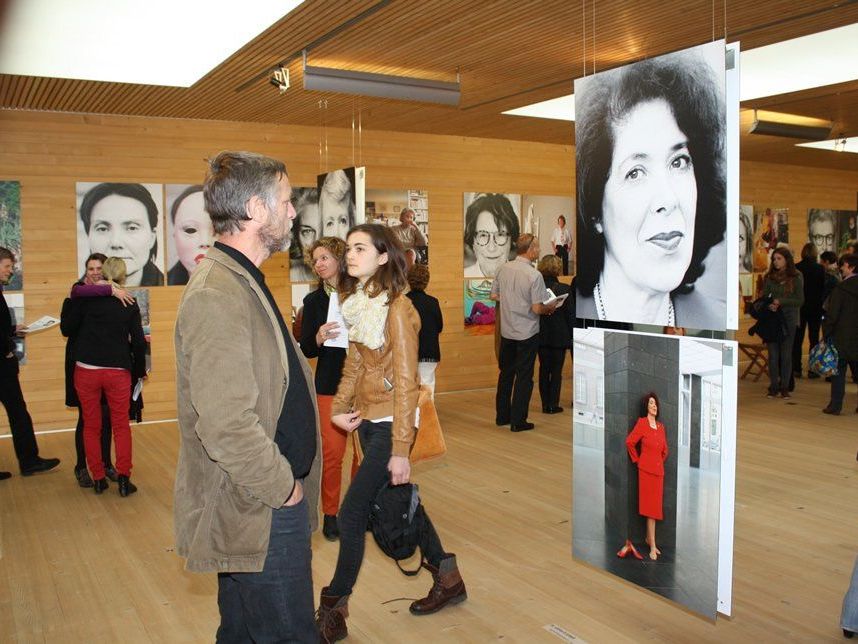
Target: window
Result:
[580, 388]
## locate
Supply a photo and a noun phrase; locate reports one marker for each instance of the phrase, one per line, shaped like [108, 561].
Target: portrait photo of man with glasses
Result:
[822, 229]
[491, 227]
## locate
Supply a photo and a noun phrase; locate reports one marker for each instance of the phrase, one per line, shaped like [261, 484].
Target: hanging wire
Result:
[725, 21]
[713, 20]
[321, 129]
[584, 35]
[353, 131]
[594, 36]
[360, 133]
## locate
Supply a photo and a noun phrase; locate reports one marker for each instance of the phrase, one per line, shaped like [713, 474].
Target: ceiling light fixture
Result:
[403, 88]
[775, 124]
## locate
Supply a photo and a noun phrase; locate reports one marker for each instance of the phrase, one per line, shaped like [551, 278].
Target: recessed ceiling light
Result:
[157, 42]
[824, 58]
[843, 144]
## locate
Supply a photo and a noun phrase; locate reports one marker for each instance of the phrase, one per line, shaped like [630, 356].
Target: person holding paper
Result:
[109, 351]
[323, 337]
[20, 423]
[555, 336]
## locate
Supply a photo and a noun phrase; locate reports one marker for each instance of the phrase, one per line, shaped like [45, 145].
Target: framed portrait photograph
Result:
[652, 197]
[492, 223]
[123, 220]
[189, 230]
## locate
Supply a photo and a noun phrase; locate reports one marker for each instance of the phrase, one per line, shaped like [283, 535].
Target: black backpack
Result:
[396, 518]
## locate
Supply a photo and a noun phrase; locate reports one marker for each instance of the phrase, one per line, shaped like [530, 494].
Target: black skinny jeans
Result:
[354, 512]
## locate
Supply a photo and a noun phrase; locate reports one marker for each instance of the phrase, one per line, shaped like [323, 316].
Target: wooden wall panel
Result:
[49, 152]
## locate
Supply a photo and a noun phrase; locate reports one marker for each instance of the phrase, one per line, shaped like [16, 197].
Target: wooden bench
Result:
[759, 360]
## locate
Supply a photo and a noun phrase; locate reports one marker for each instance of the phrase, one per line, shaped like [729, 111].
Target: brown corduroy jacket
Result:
[232, 376]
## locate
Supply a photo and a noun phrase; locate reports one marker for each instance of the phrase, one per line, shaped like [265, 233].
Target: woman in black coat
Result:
[109, 353]
[555, 336]
[431, 324]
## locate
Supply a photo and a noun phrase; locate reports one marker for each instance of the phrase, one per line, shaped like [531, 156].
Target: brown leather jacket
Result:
[363, 388]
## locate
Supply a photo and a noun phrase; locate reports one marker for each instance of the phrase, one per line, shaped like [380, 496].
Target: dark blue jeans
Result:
[353, 517]
[275, 605]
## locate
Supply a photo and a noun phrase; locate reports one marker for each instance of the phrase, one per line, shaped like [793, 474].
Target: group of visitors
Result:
[265, 440]
[817, 294]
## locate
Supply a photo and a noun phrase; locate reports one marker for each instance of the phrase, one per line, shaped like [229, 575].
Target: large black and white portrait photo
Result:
[123, 220]
[491, 228]
[189, 231]
[306, 229]
[651, 174]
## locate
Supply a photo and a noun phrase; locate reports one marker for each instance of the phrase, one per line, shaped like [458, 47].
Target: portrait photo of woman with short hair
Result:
[651, 174]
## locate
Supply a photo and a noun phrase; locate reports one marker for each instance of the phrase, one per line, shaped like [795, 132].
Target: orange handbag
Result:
[429, 440]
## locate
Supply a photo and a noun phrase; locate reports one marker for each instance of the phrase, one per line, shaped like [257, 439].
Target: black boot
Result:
[447, 589]
[331, 617]
[100, 485]
[126, 487]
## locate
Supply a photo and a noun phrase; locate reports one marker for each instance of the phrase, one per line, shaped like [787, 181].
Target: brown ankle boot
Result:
[447, 589]
[331, 617]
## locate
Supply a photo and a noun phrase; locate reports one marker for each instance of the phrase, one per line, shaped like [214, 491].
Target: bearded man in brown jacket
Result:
[247, 481]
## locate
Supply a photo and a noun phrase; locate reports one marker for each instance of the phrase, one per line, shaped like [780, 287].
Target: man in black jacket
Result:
[23, 437]
[811, 311]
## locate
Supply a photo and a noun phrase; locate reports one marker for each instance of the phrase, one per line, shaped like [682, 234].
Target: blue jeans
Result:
[275, 605]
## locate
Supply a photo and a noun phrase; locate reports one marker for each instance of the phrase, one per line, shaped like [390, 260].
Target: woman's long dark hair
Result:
[687, 84]
[390, 277]
[787, 276]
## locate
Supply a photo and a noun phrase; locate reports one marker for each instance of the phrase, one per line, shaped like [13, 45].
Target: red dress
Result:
[650, 464]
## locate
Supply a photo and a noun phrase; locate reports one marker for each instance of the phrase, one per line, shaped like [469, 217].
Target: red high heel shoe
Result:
[629, 547]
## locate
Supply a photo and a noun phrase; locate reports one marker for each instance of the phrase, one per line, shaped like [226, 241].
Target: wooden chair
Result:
[759, 360]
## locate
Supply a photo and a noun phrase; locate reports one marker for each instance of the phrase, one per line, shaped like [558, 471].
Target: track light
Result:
[787, 125]
[404, 88]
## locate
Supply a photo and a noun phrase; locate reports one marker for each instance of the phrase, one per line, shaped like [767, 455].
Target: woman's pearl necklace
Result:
[600, 305]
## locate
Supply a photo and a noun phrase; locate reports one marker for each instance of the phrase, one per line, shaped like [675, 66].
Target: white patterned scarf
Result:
[366, 317]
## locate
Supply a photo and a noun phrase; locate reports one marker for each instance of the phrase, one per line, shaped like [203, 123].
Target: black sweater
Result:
[107, 334]
[329, 367]
[431, 325]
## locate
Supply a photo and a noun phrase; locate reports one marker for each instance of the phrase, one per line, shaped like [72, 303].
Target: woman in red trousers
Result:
[650, 461]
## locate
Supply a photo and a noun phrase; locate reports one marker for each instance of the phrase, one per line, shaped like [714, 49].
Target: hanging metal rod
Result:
[348, 24]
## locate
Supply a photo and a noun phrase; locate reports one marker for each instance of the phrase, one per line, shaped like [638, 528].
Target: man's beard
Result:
[272, 240]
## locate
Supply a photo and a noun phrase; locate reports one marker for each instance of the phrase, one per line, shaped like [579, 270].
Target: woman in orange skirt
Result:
[650, 461]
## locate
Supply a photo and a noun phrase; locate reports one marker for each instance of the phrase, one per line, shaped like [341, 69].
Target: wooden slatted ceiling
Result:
[509, 53]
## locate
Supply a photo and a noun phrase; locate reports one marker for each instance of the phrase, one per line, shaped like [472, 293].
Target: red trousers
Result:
[334, 442]
[116, 385]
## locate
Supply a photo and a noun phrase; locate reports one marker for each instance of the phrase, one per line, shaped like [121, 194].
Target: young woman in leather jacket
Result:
[377, 397]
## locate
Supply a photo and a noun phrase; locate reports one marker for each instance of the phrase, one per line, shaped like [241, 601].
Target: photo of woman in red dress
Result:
[650, 461]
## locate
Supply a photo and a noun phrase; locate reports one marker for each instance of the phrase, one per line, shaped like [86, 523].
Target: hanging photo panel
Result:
[492, 225]
[123, 220]
[407, 212]
[10, 230]
[654, 430]
[552, 220]
[189, 230]
[651, 167]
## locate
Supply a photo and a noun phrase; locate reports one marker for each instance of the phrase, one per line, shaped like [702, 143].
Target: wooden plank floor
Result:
[79, 568]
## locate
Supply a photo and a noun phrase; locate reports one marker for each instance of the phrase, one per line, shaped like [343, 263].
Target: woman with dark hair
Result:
[377, 397]
[307, 228]
[651, 191]
[491, 227]
[192, 231]
[121, 220]
[325, 255]
[650, 433]
[783, 283]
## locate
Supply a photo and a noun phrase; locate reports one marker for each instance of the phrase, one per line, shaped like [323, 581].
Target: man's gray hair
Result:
[233, 178]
